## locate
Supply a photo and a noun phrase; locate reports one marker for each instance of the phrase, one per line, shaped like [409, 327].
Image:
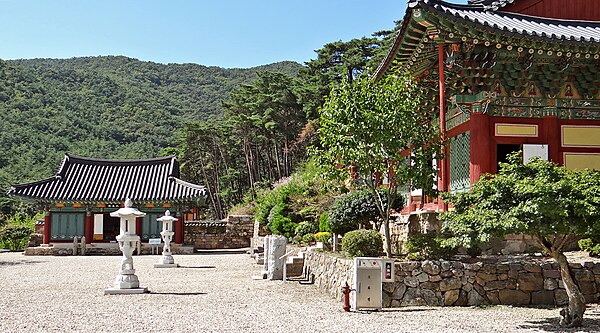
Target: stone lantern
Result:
[167, 236]
[127, 282]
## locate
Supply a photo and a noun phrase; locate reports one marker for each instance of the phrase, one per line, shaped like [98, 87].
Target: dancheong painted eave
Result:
[478, 18]
[91, 180]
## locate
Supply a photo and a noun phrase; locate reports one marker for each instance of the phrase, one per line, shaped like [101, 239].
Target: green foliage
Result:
[323, 237]
[538, 198]
[428, 246]
[362, 243]
[324, 225]
[278, 221]
[591, 246]
[14, 235]
[366, 125]
[306, 228]
[358, 208]
[303, 197]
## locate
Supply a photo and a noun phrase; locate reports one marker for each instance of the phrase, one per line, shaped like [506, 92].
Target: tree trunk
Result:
[572, 315]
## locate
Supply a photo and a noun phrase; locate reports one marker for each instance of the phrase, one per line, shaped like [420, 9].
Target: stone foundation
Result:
[234, 233]
[66, 249]
[495, 280]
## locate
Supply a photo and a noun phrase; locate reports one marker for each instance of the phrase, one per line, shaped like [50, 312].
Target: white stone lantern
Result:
[127, 282]
[167, 233]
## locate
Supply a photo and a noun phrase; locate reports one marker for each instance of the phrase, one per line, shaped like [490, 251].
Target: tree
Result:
[357, 208]
[541, 199]
[336, 61]
[377, 130]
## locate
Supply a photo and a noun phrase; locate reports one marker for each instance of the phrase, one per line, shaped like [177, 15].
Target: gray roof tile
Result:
[98, 180]
[583, 31]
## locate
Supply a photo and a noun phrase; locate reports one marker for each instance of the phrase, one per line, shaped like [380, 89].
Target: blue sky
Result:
[225, 33]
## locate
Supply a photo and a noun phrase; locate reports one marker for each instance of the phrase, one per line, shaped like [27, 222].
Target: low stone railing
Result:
[517, 280]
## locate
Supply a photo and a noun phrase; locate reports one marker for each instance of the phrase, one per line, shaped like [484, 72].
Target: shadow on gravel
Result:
[388, 310]
[590, 325]
[197, 267]
[177, 294]
[23, 262]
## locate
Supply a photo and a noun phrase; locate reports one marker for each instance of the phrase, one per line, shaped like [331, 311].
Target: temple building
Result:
[79, 198]
[501, 76]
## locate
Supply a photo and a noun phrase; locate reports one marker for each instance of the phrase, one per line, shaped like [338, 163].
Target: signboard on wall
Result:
[535, 150]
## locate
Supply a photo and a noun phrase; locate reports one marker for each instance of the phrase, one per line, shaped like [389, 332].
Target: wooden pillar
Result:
[138, 226]
[552, 136]
[88, 227]
[47, 227]
[481, 146]
[442, 163]
[179, 228]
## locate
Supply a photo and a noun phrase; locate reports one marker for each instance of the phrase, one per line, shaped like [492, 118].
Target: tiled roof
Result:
[98, 180]
[492, 4]
[582, 31]
[478, 16]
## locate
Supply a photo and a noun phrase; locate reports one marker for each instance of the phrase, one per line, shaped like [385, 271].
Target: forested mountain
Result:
[109, 107]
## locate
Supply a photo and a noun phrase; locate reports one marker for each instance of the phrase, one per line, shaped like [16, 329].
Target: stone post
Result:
[266, 253]
[276, 251]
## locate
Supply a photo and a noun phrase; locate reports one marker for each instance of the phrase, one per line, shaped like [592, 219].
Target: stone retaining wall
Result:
[235, 233]
[501, 280]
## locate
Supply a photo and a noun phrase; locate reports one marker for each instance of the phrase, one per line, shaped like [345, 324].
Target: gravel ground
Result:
[215, 293]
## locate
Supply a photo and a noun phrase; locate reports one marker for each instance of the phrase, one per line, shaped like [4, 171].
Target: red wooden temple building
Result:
[79, 198]
[505, 75]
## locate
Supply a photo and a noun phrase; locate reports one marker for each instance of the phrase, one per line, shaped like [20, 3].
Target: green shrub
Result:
[305, 228]
[308, 239]
[362, 243]
[324, 225]
[323, 237]
[357, 208]
[15, 234]
[279, 223]
[427, 246]
[588, 244]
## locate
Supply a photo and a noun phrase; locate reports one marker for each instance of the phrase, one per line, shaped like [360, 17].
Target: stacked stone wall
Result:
[235, 233]
[498, 280]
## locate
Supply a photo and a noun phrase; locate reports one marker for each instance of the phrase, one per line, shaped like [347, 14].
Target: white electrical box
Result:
[367, 283]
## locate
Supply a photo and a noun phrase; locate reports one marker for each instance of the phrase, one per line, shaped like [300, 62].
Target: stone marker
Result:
[275, 262]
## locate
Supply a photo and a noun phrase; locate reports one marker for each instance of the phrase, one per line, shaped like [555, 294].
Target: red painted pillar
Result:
[179, 228]
[552, 136]
[47, 227]
[88, 227]
[442, 164]
[481, 146]
[138, 226]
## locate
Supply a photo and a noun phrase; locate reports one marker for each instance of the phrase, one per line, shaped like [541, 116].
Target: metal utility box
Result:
[367, 283]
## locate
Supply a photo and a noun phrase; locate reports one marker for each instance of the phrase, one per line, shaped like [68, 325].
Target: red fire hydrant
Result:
[346, 293]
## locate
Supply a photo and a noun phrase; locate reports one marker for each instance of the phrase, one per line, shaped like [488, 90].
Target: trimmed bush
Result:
[324, 225]
[362, 243]
[306, 228]
[323, 237]
[427, 246]
[358, 208]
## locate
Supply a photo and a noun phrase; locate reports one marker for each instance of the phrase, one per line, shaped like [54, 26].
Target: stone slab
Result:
[166, 265]
[132, 291]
